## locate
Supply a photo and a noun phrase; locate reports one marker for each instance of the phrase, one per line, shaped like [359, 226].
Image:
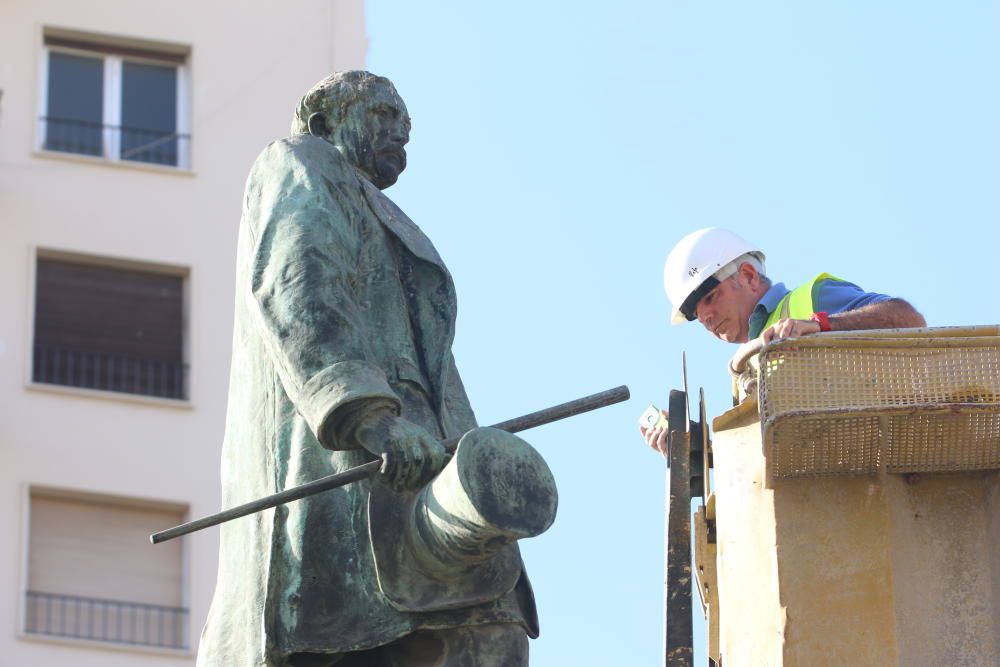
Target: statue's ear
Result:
[318, 126]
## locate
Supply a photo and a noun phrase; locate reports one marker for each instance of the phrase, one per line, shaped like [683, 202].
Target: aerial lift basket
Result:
[864, 402]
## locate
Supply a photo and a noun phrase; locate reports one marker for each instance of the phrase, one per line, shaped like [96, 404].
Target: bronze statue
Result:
[345, 316]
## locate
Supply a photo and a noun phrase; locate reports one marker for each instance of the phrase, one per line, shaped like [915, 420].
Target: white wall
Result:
[250, 61]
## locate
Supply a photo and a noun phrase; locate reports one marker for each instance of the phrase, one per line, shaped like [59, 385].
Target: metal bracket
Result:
[690, 460]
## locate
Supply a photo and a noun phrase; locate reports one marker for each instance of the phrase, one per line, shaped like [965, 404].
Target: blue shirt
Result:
[829, 296]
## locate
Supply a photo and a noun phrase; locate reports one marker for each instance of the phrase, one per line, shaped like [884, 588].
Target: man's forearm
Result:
[891, 314]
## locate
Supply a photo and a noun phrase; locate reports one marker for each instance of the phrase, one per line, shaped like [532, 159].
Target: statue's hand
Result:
[411, 456]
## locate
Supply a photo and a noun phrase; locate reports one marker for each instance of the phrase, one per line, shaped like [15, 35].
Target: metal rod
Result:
[546, 416]
[556, 412]
[678, 629]
[287, 496]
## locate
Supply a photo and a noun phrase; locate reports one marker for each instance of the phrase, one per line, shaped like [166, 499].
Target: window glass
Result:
[75, 104]
[149, 113]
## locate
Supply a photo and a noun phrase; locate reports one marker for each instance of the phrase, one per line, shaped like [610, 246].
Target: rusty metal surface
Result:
[706, 573]
[678, 642]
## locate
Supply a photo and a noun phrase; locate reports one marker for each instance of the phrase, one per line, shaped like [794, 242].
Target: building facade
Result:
[126, 133]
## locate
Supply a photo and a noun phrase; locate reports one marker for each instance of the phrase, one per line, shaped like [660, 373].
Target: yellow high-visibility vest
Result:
[797, 304]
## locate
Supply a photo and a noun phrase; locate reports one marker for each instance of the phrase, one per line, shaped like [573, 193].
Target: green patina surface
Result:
[343, 306]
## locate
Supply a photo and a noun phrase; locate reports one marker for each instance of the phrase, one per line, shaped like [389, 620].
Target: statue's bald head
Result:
[334, 96]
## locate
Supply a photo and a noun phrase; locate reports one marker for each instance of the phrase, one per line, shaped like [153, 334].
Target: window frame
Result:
[112, 102]
[183, 272]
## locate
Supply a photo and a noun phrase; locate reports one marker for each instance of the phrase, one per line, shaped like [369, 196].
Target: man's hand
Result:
[656, 437]
[411, 456]
[890, 314]
[789, 328]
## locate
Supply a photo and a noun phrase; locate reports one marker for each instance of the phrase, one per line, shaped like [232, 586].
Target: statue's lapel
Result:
[401, 226]
[431, 290]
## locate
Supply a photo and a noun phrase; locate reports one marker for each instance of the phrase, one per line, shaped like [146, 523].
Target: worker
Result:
[718, 278]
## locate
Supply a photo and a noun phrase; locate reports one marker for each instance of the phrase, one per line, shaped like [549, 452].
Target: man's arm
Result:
[891, 314]
[888, 314]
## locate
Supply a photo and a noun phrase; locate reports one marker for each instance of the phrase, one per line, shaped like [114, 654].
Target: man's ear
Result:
[749, 274]
[318, 126]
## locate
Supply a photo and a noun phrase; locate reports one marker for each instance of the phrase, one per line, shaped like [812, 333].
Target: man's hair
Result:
[333, 96]
[753, 258]
[730, 269]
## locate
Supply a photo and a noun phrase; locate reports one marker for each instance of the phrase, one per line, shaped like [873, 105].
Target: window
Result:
[113, 99]
[93, 575]
[110, 326]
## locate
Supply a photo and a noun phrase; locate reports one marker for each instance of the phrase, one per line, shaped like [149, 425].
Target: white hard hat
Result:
[688, 273]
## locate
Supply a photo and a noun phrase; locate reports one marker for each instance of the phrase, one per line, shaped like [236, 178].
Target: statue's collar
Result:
[397, 222]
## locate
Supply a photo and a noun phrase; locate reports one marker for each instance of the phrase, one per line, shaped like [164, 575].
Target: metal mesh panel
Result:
[833, 405]
[967, 439]
[807, 446]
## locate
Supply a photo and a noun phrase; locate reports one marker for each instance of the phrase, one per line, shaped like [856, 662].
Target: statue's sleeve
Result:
[306, 243]
[457, 399]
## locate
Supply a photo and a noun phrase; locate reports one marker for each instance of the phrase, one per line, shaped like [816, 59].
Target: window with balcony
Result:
[94, 576]
[108, 325]
[116, 99]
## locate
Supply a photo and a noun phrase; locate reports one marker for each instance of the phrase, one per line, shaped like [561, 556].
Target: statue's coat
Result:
[339, 297]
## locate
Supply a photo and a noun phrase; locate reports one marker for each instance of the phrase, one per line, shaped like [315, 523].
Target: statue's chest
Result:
[380, 274]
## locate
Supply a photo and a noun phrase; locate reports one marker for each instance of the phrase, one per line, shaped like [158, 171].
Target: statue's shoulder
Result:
[304, 155]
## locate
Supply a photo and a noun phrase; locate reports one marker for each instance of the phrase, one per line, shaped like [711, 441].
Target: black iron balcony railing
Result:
[109, 372]
[137, 144]
[103, 620]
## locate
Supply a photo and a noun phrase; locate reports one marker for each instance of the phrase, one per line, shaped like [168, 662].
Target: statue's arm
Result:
[304, 293]
[305, 216]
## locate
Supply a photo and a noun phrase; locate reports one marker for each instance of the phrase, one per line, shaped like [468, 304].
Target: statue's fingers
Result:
[415, 473]
[438, 458]
[403, 466]
[415, 464]
[423, 471]
[389, 467]
[428, 461]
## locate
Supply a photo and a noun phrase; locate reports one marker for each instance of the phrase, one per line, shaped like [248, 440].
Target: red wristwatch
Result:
[822, 319]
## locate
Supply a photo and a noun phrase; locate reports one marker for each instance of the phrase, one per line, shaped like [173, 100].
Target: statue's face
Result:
[374, 134]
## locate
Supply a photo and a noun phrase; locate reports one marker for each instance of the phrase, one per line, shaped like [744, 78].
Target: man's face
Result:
[374, 133]
[725, 311]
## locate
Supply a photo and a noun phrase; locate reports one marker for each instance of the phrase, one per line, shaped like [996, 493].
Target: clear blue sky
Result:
[560, 149]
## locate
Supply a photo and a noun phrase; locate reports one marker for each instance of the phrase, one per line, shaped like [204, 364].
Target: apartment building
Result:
[126, 133]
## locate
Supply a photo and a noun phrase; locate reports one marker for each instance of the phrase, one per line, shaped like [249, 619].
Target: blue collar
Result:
[772, 297]
[758, 316]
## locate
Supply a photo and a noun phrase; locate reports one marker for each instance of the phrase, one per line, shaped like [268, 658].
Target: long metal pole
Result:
[546, 416]
[678, 639]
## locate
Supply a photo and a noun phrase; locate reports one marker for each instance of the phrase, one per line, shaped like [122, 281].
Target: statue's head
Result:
[363, 116]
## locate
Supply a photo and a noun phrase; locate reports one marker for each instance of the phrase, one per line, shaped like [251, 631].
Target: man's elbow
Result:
[907, 316]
